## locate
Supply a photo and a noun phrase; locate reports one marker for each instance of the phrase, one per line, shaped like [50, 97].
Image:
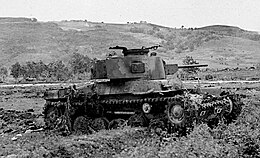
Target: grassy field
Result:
[18, 137]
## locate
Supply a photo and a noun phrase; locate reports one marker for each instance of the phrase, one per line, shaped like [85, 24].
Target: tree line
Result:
[77, 68]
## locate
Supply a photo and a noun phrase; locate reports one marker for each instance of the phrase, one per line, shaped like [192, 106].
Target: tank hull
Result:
[150, 103]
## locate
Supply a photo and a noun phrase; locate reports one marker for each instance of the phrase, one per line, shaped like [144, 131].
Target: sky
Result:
[172, 13]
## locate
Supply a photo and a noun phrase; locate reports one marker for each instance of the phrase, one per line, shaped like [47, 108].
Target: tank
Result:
[132, 89]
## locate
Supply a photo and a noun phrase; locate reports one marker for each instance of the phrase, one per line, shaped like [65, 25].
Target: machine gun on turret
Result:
[142, 51]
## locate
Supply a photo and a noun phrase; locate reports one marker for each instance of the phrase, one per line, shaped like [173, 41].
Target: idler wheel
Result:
[236, 108]
[51, 117]
[99, 124]
[82, 125]
[116, 124]
[176, 114]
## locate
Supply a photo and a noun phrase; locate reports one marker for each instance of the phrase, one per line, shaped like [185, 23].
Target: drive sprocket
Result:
[179, 112]
[51, 115]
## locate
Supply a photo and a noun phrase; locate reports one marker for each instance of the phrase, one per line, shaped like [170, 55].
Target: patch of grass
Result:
[239, 139]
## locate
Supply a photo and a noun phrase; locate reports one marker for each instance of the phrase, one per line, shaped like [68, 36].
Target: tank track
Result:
[179, 113]
[137, 101]
[212, 110]
[57, 117]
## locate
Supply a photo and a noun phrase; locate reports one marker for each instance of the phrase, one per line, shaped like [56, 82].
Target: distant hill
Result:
[24, 40]
[21, 19]
[227, 52]
[232, 31]
[49, 41]
[221, 28]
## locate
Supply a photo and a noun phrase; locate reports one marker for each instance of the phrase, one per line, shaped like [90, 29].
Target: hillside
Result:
[34, 41]
[220, 46]
[227, 52]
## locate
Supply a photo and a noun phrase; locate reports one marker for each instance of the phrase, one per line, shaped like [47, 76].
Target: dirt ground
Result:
[22, 133]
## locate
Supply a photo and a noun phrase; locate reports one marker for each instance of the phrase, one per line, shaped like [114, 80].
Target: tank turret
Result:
[134, 64]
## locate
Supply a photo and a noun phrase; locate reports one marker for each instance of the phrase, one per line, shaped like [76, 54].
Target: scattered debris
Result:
[28, 131]
[14, 138]
[18, 135]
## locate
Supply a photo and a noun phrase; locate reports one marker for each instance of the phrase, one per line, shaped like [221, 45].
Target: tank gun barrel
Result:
[192, 66]
[153, 47]
[119, 47]
[171, 69]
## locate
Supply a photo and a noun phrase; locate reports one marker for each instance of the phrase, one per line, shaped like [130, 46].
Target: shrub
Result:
[188, 60]
[16, 70]
[159, 35]
[150, 32]
[137, 30]
[3, 73]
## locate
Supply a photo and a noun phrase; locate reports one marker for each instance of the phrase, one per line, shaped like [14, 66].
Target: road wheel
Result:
[82, 125]
[137, 120]
[116, 124]
[100, 123]
[235, 111]
[157, 126]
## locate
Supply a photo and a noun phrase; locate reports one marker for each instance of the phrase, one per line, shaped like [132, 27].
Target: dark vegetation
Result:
[188, 60]
[3, 73]
[188, 73]
[239, 139]
[79, 65]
